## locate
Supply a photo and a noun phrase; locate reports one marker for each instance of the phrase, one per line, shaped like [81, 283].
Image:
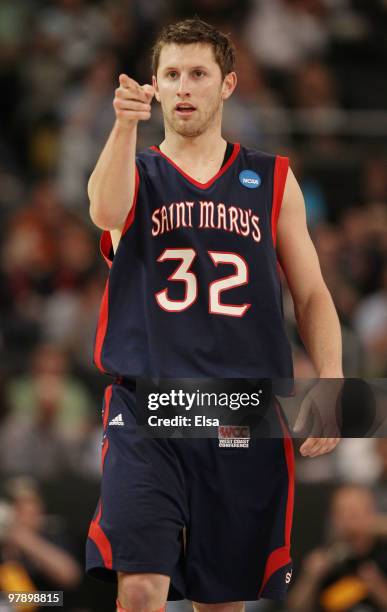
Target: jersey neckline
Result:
[212, 180]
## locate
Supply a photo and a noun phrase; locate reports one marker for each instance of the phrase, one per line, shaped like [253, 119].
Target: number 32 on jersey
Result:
[216, 288]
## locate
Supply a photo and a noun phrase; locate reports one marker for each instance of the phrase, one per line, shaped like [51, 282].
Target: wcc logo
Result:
[233, 437]
[250, 179]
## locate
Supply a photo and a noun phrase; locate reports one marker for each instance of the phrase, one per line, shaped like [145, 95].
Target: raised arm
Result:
[112, 183]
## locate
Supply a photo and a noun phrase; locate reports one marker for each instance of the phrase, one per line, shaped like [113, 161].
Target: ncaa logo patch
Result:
[250, 179]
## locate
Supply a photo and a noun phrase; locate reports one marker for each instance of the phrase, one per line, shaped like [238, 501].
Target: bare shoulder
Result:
[295, 249]
[293, 200]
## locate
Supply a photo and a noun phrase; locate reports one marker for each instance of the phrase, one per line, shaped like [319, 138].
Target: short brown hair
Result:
[192, 31]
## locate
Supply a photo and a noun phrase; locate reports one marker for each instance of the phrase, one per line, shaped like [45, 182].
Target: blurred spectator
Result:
[314, 93]
[49, 259]
[35, 553]
[15, 17]
[130, 35]
[380, 485]
[315, 87]
[360, 256]
[284, 33]
[250, 113]
[76, 253]
[4, 408]
[357, 461]
[236, 12]
[350, 571]
[327, 241]
[88, 116]
[375, 181]
[370, 321]
[79, 28]
[69, 318]
[49, 417]
[28, 251]
[27, 271]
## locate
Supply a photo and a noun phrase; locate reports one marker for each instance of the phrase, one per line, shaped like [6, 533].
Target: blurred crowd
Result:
[311, 86]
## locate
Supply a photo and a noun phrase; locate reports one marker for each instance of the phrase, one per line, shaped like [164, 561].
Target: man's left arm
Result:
[316, 316]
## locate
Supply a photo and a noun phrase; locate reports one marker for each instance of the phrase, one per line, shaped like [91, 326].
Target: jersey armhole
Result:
[280, 173]
[106, 245]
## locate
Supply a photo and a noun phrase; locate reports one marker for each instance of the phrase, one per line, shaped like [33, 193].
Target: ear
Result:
[156, 88]
[229, 84]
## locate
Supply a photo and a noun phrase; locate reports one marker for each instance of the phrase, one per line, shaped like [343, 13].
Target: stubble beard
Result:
[195, 130]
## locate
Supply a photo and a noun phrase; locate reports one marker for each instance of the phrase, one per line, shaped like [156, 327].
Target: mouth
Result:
[184, 109]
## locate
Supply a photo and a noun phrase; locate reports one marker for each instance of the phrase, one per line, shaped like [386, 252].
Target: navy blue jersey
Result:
[194, 289]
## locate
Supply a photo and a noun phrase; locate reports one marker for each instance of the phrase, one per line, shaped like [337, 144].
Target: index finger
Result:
[132, 85]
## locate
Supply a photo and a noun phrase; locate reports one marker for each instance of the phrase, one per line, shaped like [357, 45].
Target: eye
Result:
[198, 73]
[172, 74]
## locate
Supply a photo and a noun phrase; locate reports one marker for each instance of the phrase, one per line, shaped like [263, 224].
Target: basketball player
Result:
[192, 232]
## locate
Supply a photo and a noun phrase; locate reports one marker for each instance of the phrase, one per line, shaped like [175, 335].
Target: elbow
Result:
[103, 218]
[108, 209]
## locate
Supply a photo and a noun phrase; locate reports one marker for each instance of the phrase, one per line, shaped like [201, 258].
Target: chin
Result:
[188, 130]
[189, 133]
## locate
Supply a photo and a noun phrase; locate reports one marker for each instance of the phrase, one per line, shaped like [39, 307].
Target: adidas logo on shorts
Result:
[118, 420]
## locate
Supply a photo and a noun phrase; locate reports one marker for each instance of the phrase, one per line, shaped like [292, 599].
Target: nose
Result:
[183, 90]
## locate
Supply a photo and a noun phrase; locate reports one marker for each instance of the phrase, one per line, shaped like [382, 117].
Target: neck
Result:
[207, 146]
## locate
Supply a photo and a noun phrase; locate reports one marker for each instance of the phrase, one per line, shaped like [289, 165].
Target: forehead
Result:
[187, 55]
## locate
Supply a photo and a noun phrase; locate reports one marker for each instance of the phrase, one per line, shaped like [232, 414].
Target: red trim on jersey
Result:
[102, 543]
[105, 244]
[106, 411]
[101, 328]
[222, 170]
[107, 400]
[105, 448]
[289, 453]
[281, 556]
[96, 532]
[132, 212]
[105, 247]
[280, 173]
[277, 559]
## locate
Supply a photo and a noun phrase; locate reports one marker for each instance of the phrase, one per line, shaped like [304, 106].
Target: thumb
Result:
[124, 80]
[149, 91]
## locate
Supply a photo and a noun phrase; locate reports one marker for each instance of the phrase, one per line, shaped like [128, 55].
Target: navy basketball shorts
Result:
[216, 520]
